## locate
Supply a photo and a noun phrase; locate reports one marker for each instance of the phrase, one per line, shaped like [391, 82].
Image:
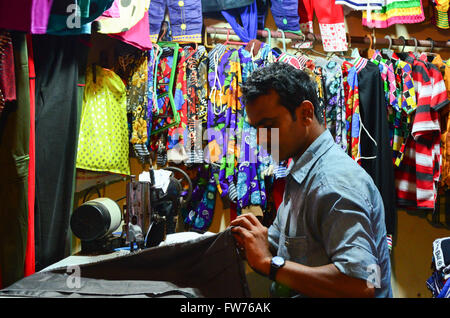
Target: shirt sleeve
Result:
[274, 235]
[344, 224]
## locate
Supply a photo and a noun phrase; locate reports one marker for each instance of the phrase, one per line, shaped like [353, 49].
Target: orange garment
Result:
[445, 121]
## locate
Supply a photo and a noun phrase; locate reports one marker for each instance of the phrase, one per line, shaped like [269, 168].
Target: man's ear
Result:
[305, 112]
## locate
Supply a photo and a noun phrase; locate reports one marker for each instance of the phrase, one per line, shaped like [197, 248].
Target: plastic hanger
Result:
[169, 93]
[269, 36]
[371, 50]
[388, 52]
[404, 42]
[284, 40]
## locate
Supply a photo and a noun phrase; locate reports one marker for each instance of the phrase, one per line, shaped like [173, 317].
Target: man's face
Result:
[266, 112]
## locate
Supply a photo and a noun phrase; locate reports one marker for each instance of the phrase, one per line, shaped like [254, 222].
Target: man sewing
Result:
[329, 235]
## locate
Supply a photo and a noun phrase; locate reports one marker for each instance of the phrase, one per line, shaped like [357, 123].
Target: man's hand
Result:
[252, 237]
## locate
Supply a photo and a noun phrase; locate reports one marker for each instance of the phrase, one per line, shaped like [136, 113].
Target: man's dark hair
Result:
[292, 85]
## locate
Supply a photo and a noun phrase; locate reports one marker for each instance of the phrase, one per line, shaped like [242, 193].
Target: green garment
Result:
[14, 158]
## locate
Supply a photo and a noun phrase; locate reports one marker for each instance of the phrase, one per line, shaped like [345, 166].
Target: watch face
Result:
[278, 261]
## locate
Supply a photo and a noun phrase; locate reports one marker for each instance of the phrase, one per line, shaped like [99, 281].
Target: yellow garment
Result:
[131, 12]
[445, 124]
[103, 140]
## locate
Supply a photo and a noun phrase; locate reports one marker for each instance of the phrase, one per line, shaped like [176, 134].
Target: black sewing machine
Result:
[150, 213]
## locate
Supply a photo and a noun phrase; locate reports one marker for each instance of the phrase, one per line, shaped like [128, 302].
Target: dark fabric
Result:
[14, 158]
[57, 119]
[219, 5]
[210, 266]
[48, 284]
[374, 118]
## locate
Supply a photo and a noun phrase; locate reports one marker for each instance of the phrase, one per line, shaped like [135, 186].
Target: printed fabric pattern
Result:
[103, 140]
[224, 119]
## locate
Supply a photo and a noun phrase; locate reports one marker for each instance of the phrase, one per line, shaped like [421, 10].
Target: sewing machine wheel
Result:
[183, 178]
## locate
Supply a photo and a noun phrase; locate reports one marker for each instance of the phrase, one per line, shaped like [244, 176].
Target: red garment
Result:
[7, 78]
[138, 35]
[30, 249]
[331, 22]
[278, 191]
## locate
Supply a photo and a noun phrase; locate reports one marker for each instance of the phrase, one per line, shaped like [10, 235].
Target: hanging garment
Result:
[200, 213]
[335, 103]
[137, 102]
[250, 183]
[202, 88]
[72, 17]
[7, 76]
[376, 152]
[394, 12]
[420, 168]
[248, 17]
[175, 141]
[113, 11]
[351, 95]
[331, 22]
[362, 4]
[194, 138]
[441, 8]
[30, 255]
[25, 15]
[103, 144]
[130, 13]
[132, 68]
[57, 116]
[224, 120]
[219, 5]
[14, 163]
[286, 14]
[398, 119]
[138, 35]
[185, 18]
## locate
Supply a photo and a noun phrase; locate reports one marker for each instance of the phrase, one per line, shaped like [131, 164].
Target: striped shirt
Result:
[420, 169]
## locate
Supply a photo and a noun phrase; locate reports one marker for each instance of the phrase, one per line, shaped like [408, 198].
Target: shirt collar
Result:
[300, 168]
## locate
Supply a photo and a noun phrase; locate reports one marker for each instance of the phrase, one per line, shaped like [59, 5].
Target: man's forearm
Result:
[322, 281]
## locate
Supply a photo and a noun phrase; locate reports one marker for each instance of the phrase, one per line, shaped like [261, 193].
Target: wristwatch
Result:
[276, 263]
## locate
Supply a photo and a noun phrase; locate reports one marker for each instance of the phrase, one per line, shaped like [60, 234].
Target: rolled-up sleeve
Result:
[343, 218]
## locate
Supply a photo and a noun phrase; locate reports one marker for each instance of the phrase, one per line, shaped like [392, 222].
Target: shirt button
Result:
[285, 21]
[183, 26]
[181, 3]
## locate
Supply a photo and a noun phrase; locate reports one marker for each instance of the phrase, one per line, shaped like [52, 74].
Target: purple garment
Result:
[285, 14]
[185, 17]
[29, 16]
[249, 18]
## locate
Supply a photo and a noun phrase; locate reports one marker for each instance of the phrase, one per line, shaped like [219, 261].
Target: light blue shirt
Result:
[332, 212]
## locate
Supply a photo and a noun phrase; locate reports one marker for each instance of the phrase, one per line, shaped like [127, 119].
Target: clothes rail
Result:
[352, 39]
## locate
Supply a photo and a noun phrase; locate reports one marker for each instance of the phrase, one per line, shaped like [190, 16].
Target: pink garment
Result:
[138, 35]
[112, 12]
[25, 15]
